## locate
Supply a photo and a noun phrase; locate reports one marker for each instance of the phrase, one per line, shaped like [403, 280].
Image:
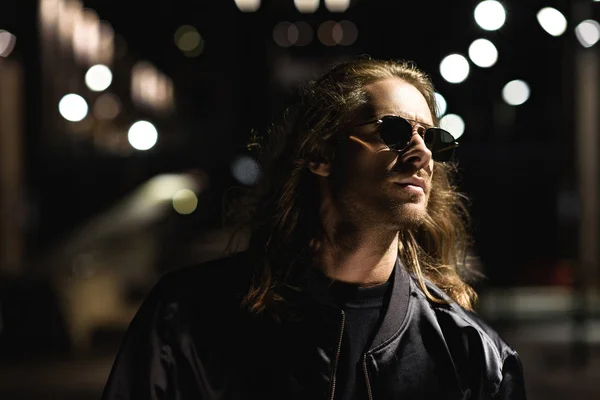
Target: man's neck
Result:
[366, 258]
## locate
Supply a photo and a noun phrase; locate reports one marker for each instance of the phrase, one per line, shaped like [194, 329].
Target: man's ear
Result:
[319, 168]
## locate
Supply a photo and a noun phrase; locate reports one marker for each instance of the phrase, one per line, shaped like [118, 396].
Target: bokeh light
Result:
[306, 6]
[247, 5]
[490, 15]
[246, 170]
[73, 107]
[483, 53]
[7, 43]
[454, 124]
[552, 21]
[98, 78]
[293, 34]
[325, 33]
[185, 201]
[84, 34]
[142, 135]
[337, 33]
[454, 68]
[107, 106]
[280, 34]
[164, 187]
[150, 87]
[515, 92]
[188, 40]
[305, 33]
[588, 32]
[347, 31]
[337, 5]
[440, 103]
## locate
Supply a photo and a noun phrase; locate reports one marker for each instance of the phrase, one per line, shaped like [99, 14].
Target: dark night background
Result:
[517, 164]
[512, 173]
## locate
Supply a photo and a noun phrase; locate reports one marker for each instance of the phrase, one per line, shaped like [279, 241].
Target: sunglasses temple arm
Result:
[452, 146]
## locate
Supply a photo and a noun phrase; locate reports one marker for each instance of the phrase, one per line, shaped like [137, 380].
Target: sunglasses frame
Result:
[379, 121]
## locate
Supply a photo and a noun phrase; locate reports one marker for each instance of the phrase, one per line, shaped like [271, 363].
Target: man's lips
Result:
[412, 181]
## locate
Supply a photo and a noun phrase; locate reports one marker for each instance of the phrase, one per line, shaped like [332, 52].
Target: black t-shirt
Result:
[364, 308]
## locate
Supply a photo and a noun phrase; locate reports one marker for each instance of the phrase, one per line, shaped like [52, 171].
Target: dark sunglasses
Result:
[396, 132]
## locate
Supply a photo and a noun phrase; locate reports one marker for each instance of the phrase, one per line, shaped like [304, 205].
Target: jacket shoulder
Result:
[180, 318]
[220, 277]
[465, 318]
[480, 343]
[210, 289]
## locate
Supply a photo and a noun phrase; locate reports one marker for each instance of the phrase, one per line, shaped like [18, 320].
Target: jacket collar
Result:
[397, 308]
[315, 298]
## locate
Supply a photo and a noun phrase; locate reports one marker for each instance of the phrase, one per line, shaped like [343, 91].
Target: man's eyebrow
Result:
[426, 125]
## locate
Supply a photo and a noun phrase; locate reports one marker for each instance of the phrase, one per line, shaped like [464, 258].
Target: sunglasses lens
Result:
[395, 132]
[441, 143]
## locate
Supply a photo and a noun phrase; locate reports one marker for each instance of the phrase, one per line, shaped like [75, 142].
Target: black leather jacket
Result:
[192, 340]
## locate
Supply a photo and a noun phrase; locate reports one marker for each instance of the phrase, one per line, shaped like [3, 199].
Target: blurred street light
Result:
[86, 36]
[245, 170]
[150, 87]
[142, 135]
[68, 14]
[189, 41]
[306, 6]
[98, 78]
[490, 15]
[441, 104]
[454, 68]
[483, 53]
[454, 124]
[7, 43]
[337, 5]
[73, 107]
[552, 21]
[588, 32]
[185, 201]
[247, 5]
[515, 92]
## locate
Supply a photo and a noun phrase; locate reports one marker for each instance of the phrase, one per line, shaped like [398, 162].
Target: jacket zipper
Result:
[369, 391]
[337, 355]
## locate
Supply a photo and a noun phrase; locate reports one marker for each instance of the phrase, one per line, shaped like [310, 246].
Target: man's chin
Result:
[411, 215]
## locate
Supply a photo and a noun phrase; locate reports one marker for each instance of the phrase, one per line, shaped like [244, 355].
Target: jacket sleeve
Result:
[143, 365]
[512, 386]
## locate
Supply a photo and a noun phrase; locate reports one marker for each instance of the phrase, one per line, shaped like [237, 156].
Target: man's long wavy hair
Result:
[283, 208]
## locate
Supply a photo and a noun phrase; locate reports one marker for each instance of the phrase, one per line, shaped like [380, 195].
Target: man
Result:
[353, 283]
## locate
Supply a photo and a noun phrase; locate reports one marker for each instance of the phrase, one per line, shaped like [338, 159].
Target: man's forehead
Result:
[395, 96]
[369, 112]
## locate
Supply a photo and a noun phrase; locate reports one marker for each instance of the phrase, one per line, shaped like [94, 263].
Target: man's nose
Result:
[416, 153]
